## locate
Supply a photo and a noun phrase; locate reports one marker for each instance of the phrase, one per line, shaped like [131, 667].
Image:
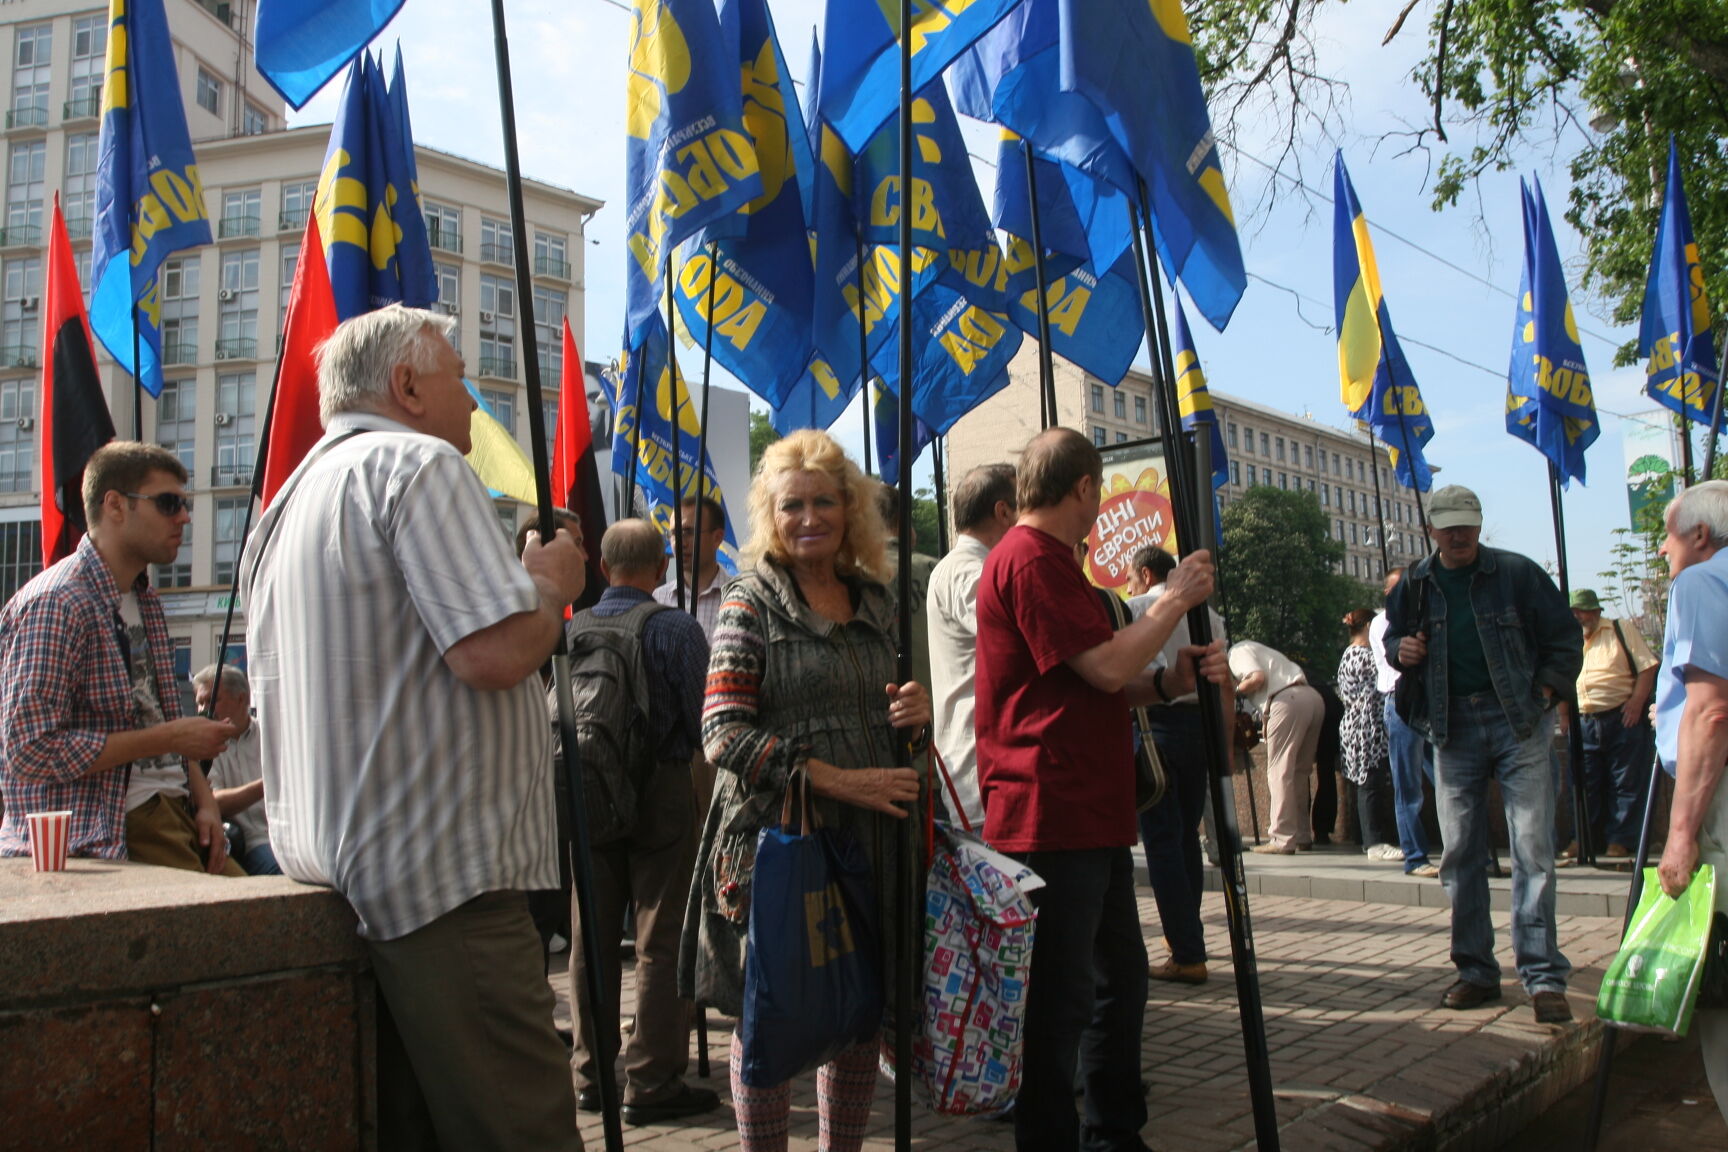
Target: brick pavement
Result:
[1362, 1056]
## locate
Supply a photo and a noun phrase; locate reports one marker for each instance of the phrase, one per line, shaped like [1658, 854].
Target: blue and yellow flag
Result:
[1675, 334]
[1375, 380]
[302, 44]
[355, 202]
[864, 56]
[885, 413]
[413, 245]
[1549, 404]
[1194, 401]
[960, 353]
[149, 200]
[816, 400]
[1135, 60]
[645, 382]
[1078, 214]
[761, 277]
[947, 209]
[494, 454]
[688, 159]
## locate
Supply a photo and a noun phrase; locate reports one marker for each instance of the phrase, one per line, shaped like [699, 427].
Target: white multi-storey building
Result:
[223, 304]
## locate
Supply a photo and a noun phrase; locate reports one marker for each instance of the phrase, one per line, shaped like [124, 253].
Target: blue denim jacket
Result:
[1529, 638]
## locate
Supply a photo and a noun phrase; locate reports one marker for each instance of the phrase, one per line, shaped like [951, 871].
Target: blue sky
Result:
[568, 60]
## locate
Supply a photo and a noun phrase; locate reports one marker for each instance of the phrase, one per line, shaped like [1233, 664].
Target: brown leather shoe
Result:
[1464, 995]
[1551, 1008]
[1179, 973]
[1272, 850]
[1618, 852]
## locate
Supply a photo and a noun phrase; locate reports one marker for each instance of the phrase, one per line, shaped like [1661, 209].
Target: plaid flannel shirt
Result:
[64, 688]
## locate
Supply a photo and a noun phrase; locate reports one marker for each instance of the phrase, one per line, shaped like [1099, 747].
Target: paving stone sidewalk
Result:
[1362, 1056]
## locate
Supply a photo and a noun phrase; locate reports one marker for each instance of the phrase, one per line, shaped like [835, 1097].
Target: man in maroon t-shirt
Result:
[1056, 768]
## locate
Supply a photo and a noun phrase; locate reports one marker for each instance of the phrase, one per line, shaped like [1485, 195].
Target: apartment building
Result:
[223, 304]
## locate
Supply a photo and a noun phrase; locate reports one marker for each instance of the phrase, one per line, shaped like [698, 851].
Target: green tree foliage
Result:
[762, 434]
[924, 522]
[1279, 580]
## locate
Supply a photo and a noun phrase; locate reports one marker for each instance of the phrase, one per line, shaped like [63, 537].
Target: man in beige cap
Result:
[1495, 648]
[1613, 692]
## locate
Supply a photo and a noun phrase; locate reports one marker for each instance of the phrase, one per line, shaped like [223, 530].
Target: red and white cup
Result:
[49, 834]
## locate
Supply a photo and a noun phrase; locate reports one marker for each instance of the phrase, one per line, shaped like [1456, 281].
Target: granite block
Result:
[76, 1076]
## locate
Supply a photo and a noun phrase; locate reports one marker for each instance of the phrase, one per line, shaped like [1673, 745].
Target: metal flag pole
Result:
[675, 382]
[1709, 471]
[939, 466]
[137, 381]
[1194, 529]
[1379, 507]
[1634, 891]
[1574, 728]
[863, 346]
[1046, 365]
[1685, 433]
[576, 809]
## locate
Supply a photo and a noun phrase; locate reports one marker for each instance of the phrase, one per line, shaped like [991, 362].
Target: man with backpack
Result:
[636, 671]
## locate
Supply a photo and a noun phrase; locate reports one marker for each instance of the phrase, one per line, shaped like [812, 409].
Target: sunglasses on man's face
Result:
[167, 503]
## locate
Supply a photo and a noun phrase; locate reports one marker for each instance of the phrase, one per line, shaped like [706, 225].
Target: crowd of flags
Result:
[764, 229]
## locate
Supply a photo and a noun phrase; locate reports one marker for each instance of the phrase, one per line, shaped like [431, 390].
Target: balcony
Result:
[239, 348]
[554, 266]
[498, 254]
[17, 479]
[443, 239]
[80, 227]
[228, 476]
[180, 352]
[21, 236]
[236, 227]
[294, 221]
[27, 116]
[82, 108]
[498, 367]
[18, 356]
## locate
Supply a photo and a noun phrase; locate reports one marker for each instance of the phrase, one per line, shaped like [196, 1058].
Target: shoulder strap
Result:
[1631, 665]
[283, 496]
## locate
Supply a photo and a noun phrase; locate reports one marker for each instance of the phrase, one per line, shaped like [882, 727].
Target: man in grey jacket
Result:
[1496, 647]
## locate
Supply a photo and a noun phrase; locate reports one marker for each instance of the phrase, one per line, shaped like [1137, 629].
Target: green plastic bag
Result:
[1652, 984]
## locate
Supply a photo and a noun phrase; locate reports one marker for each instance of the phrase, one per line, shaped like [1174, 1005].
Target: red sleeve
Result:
[1056, 610]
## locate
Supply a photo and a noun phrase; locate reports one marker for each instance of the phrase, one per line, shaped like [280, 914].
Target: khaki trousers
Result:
[651, 870]
[160, 831]
[1293, 719]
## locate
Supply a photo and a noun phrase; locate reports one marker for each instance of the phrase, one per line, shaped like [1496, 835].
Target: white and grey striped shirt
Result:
[385, 776]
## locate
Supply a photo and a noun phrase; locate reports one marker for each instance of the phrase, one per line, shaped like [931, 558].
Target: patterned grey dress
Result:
[785, 684]
[1363, 731]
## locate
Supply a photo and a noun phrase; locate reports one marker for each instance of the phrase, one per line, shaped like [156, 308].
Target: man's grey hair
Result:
[355, 363]
[1706, 504]
[632, 547]
[233, 680]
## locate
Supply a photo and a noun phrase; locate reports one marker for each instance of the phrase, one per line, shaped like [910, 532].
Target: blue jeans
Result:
[1170, 831]
[1616, 771]
[1085, 1004]
[1412, 758]
[260, 861]
[1480, 747]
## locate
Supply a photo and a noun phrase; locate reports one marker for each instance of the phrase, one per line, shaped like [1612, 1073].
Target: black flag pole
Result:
[576, 809]
[1194, 526]
[1711, 437]
[1379, 507]
[863, 345]
[1046, 365]
[908, 931]
[675, 382]
[1574, 729]
[939, 467]
[1685, 432]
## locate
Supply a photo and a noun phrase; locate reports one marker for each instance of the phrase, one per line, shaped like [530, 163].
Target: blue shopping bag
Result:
[812, 986]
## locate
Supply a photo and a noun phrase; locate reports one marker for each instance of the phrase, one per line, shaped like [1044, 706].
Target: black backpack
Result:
[609, 687]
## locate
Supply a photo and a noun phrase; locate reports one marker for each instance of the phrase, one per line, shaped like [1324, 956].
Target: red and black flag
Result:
[575, 476]
[75, 419]
[293, 425]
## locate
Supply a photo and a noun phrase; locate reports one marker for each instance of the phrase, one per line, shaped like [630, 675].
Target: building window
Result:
[1310, 483]
[1278, 444]
[503, 406]
[26, 169]
[18, 435]
[1099, 436]
[20, 313]
[1352, 503]
[1139, 409]
[290, 264]
[549, 256]
[1251, 476]
[450, 287]
[1356, 563]
[237, 306]
[1325, 495]
[1233, 436]
[443, 226]
[1284, 481]
[179, 573]
[253, 121]
[78, 192]
[32, 66]
[236, 419]
[549, 310]
[20, 555]
[241, 213]
[497, 327]
[89, 61]
[209, 93]
[297, 200]
[1235, 472]
[176, 419]
[1353, 538]
[1247, 440]
[1339, 527]
[1121, 437]
[1121, 405]
[178, 294]
[1336, 471]
[230, 519]
[497, 242]
[1098, 398]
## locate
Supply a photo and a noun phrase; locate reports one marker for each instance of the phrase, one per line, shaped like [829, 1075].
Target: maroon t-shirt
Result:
[1055, 759]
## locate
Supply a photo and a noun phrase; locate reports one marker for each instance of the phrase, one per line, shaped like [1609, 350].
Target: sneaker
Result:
[1386, 852]
[1551, 1008]
[1426, 871]
[1464, 995]
[687, 1101]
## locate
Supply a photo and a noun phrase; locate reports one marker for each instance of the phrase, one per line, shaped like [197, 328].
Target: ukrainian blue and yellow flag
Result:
[1194, 401]
[1549, 404]
[149, 200]
[413, 244]
[1134, 59]
[494, 454]
[1675, 334]
[688, 159]
[760, 279]
[355, 202]
[1375, 380]
[302, 44]
[885, 412]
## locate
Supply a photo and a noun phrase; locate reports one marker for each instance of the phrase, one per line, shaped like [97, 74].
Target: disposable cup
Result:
[49, 833]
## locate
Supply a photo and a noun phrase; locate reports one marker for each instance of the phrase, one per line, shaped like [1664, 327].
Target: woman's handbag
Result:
[812, 987]
[1653, 982]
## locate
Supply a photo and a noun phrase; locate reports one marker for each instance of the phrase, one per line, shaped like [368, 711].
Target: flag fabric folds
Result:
[402, 170]
[310, 319]
[494, 454]
[149, 200]
[689, 161]
[1549, 404]
[885, 412]
[960, 356]
[575, 473]
[75, 419]
[302, 44]
[1376, 384]
[1194, 401]
[1675, 334]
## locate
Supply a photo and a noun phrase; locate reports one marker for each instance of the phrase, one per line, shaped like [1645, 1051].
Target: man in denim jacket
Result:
[1496, 647]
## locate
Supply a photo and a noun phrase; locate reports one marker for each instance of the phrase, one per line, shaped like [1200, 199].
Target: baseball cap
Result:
[1455, 506]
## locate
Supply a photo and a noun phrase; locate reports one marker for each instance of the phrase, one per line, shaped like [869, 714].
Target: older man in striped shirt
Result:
[394, 643]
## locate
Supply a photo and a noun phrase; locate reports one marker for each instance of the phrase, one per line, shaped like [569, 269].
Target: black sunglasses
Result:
[167, 503]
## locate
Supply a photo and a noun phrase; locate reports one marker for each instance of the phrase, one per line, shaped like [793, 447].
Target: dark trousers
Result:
[1616, 773]
[1084, 1007]
[1374, 807]
[1170, 831]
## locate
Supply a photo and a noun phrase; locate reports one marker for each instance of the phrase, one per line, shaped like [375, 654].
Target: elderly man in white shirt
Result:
[1293, 713]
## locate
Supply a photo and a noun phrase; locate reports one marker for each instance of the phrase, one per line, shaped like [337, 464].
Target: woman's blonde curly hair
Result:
[808, 450]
